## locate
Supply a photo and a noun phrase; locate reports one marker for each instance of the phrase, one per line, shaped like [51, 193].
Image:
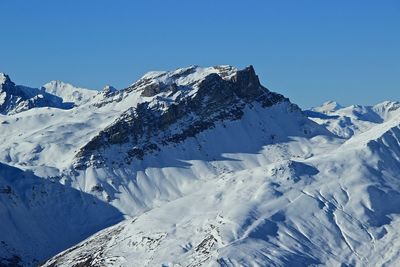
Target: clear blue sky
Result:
[309, 50]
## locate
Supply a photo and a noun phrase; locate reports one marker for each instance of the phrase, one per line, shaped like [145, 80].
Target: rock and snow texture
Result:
[207, 167]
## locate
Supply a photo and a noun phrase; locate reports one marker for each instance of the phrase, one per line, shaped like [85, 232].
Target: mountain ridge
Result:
[354, 119]
[56, 94]
[69, 92]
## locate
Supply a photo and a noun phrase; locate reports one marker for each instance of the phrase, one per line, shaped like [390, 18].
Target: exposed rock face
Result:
[192, 108]
[16, 98]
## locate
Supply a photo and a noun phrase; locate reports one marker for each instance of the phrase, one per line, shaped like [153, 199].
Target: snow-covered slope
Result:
[69, 93]
[355, 119]
[207, 167]
[339, 208]
[40, 217]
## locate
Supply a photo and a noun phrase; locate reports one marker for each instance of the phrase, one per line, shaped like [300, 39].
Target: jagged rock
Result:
[215, 97]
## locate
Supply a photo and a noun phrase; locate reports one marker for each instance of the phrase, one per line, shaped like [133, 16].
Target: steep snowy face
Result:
[17, 98]
[69, 93]
[176, 106]
[333, 209]
[355, 119]
[37, 213]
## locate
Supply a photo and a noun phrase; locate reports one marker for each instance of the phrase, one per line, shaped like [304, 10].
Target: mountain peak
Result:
[328, 106]
[69, 92]
[109, 88]
[108, 91]
[17, 98]
[388, 105]
[188, 80]
[57, 84]
[4, 78]
[60, 84]
[194, 98]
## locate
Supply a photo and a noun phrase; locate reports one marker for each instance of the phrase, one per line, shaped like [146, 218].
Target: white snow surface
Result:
[271, 189]
[69, 93]
[352, 120]
[328, 107]
[2, 78]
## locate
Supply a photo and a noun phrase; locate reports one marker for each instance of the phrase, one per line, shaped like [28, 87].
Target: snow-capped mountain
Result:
[328, 107]
[348, 121]
[69, 93]
[17, 98]
[55, 94]
[200, 166]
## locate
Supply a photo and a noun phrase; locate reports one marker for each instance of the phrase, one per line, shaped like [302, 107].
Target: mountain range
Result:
[200, 166]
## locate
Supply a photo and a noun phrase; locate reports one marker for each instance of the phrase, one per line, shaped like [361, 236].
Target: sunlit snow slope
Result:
[349, 121]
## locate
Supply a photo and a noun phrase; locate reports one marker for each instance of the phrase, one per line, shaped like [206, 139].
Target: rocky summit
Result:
[174, 110]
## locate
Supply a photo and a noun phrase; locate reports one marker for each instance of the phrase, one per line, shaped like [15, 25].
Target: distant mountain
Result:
[348, 121]
[17, 98]
[69, 93]
[55, 94]
[328, 107]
